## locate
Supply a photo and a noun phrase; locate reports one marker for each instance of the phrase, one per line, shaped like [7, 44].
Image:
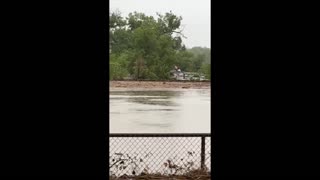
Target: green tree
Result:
[206, 70]
[145, 47]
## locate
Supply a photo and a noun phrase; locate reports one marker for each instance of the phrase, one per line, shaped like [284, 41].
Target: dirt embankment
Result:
[159, 84]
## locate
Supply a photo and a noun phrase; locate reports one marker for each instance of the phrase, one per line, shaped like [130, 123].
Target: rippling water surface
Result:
[174, 111]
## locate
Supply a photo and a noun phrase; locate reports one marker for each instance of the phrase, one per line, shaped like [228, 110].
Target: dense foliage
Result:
[144, 47]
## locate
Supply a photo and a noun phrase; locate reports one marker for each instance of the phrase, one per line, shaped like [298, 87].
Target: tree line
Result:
[145, 47]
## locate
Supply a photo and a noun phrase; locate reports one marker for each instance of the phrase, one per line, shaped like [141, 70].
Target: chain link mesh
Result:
[130, 155]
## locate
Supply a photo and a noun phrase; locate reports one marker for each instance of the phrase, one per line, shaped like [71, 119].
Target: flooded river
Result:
[160, 111]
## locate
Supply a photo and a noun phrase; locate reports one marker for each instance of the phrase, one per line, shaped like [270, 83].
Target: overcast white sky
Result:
[196, 15]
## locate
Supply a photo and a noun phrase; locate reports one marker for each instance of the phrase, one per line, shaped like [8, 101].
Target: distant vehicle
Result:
[177, 75]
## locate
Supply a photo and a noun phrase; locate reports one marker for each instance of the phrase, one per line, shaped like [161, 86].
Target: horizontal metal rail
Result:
[162, 80]
[160, 135]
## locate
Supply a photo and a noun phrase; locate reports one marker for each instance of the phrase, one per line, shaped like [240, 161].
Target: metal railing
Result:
[136, 154]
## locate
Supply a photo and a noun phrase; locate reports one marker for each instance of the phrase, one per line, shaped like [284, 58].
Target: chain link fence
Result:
[166, 154]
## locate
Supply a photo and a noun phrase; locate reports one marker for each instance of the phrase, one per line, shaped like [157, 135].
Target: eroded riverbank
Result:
[159, 85]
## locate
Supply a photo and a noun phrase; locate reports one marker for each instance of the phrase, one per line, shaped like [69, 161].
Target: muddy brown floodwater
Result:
[159, 110]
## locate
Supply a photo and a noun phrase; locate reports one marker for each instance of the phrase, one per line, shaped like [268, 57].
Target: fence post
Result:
[203, 151]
